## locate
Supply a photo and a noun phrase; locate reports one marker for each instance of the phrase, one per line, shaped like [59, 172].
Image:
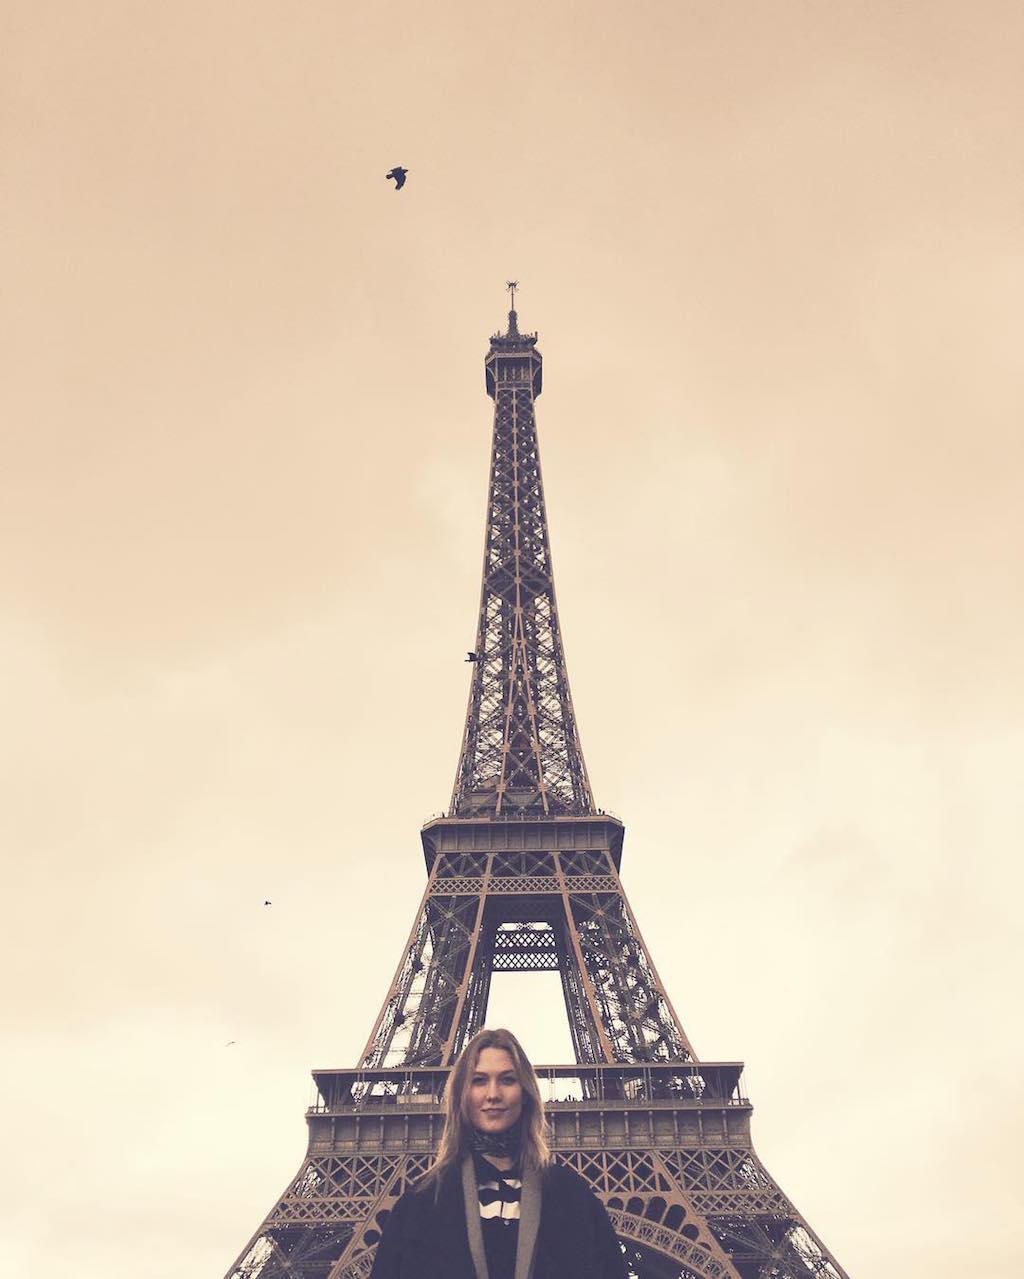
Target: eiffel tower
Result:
[523, 876]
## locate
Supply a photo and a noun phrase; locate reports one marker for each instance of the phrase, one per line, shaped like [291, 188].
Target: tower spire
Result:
[521, 753]
[513, 319]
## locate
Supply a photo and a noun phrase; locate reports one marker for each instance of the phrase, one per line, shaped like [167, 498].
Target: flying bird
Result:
[230, 1042]
[472, 657]
[398, 173]
[268, 903]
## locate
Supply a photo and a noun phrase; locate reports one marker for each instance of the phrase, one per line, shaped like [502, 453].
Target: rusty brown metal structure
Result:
[523, 875]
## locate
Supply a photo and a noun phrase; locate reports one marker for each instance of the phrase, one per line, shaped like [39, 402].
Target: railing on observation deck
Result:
[520, 815]
[647, 1086]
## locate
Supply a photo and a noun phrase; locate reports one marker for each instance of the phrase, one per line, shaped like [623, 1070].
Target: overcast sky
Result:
[773, 252]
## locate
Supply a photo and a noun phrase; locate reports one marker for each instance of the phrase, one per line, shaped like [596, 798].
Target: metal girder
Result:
[526, 948]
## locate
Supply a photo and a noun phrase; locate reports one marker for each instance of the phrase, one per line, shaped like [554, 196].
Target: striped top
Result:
[500, 1192]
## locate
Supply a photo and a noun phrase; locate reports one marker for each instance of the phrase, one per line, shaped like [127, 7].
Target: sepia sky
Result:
[773, 251]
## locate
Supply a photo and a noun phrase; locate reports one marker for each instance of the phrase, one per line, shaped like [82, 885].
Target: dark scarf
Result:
[503, 1144]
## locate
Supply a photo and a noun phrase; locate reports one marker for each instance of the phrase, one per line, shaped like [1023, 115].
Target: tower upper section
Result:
[513, 358]
[521, 753]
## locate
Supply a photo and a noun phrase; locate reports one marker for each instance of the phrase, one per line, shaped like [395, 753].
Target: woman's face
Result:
[495, 1098]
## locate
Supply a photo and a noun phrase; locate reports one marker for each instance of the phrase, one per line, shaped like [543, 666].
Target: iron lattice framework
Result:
[521, 751]
[523, 876]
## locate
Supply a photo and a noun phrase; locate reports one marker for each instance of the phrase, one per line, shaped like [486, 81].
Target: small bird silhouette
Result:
[398, 173]
[268, 903]
[472, 657]
[230, 1042]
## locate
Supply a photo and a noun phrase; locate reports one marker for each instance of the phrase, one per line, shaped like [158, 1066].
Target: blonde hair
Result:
[456, 1137]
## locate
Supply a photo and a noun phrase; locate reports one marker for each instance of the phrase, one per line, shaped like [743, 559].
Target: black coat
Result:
[425, 1237]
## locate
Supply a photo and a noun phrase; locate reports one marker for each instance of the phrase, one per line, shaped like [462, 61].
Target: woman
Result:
[494, 1206]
